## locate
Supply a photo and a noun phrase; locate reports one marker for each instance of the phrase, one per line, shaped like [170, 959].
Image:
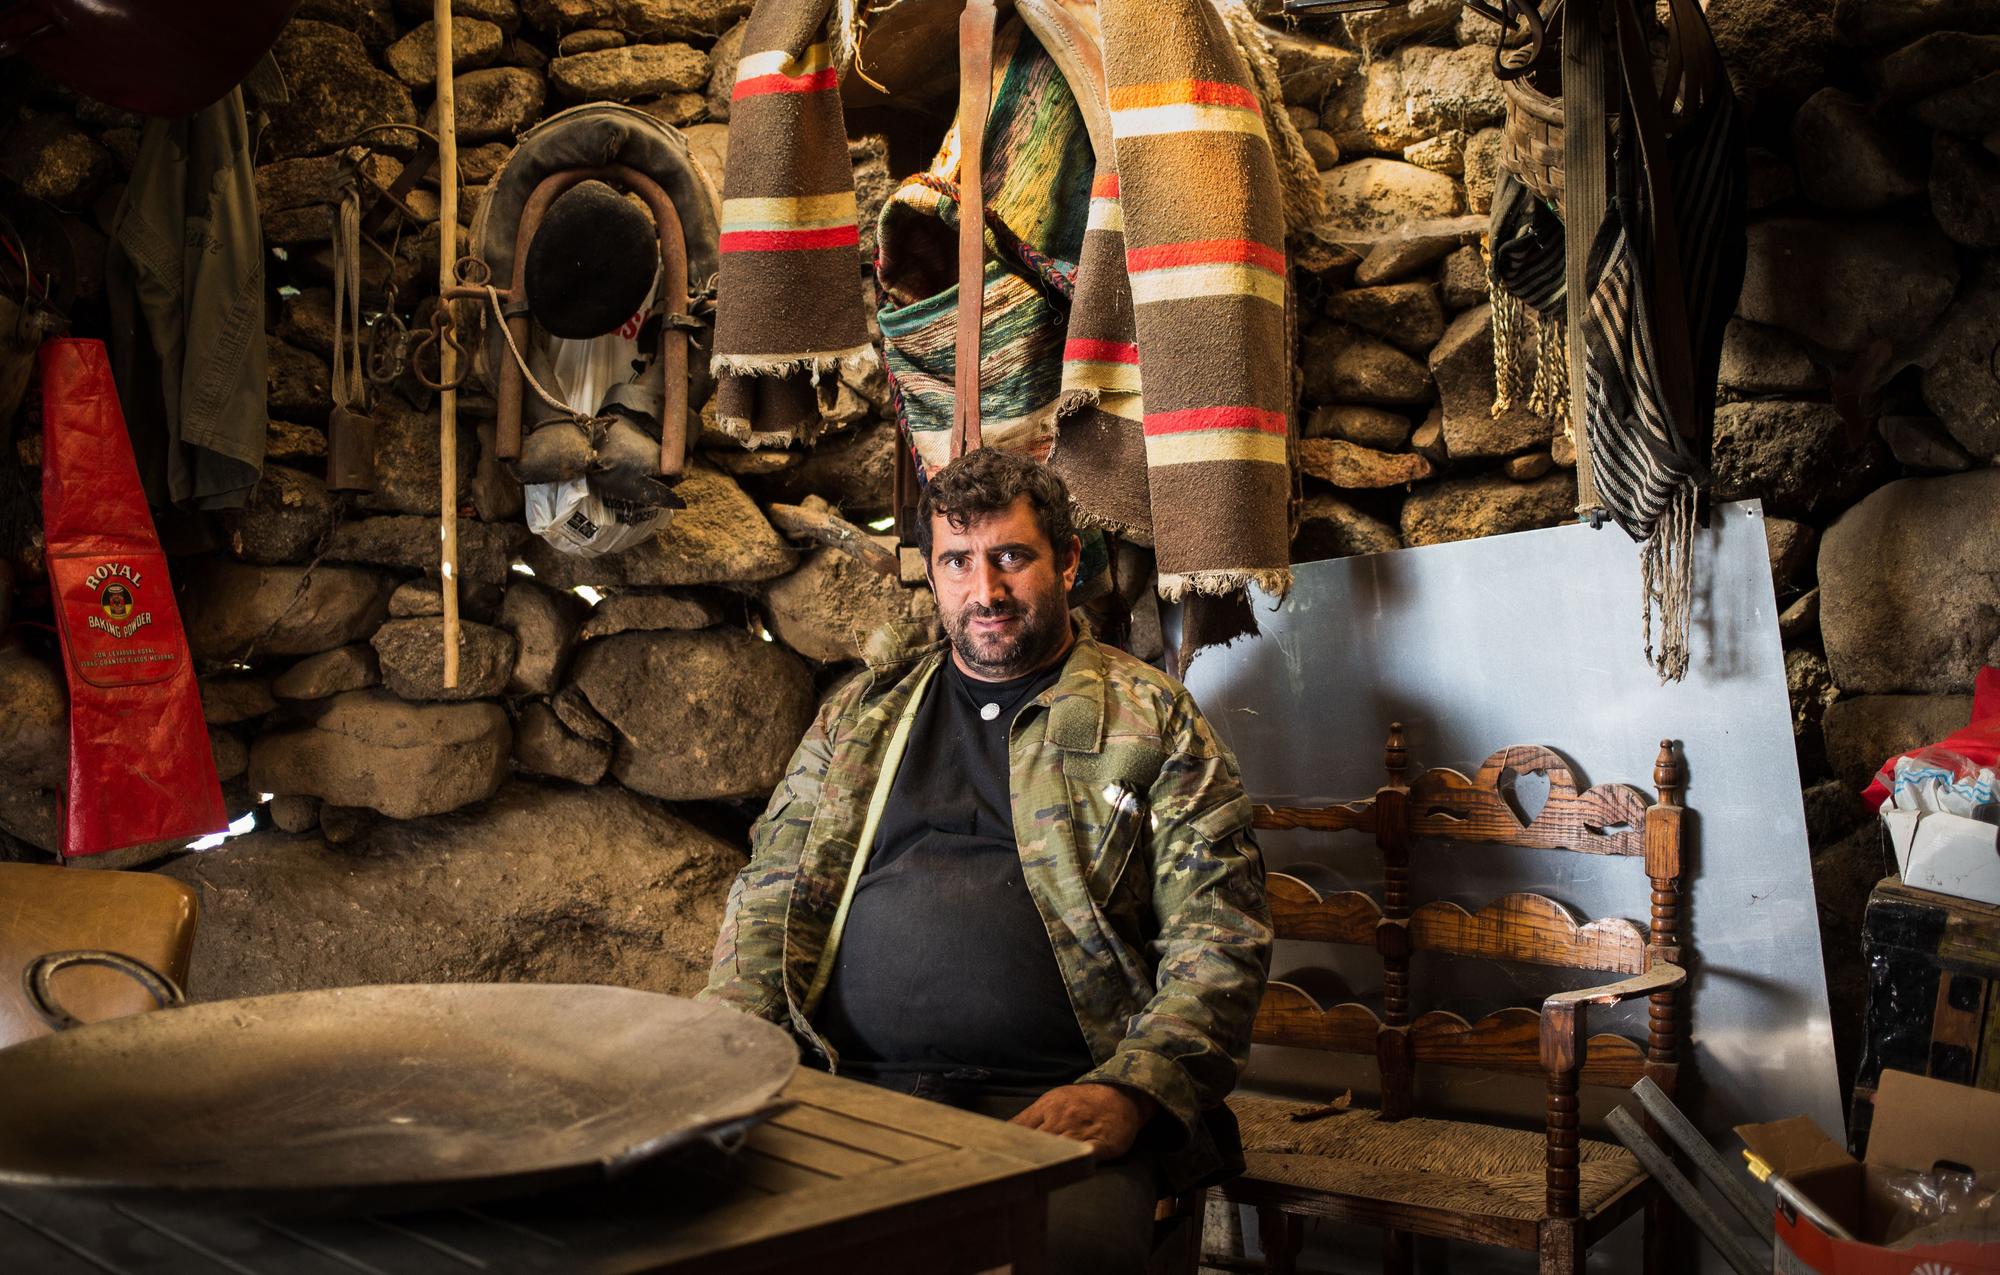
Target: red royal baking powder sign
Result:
[111, 610]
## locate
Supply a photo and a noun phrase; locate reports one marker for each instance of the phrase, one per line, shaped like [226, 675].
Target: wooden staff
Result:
[447, 352]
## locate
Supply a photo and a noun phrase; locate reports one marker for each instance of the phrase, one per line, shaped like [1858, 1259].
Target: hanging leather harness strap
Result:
[975, 102]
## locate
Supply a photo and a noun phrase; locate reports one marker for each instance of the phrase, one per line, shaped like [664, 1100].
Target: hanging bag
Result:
[140, 768]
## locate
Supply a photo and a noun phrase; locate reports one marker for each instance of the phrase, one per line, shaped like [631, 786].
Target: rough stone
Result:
[550, 884]
[404, 760]
[229, 606]
[1407, 314]
[480, 163]
[826, 609]
[1791, 546]
[296, 383]
[407, 462]
[721, 536]
[295, 228]
[1863, 731]
[572, 708]
[330, 673]
[1965, 191]
[1450, 89]
[229, 753]
[570, 15]
[416, 597]
[699, 716]
[1329, 527]
[722, 59]
[1876, 22]
[1350, 466]
[496, 104]
[1417, 20]
[626, 611]
[1462, 279]
[1832, 811]
[1319, 144]
[1937, 62]
[1962, 381]
[638, 70]
[544, 624]
[34, 747]
[1528, 467]
[369, 19]
[1891, 628]
[50, 158]
[410, 543]
[676, 110]
[1373, 199]
[1483, 170]
[1851, 158]
[1794, 456]
[1466, 508]
[1810, 686]
[1343, 365]
[854, 472]
[1364, 115]
[340, 825]
[1921, 443]
[413, 59]
[874, 183]
[283, 519]
[544, 746]
[1368, 426]
[1415, 248]
[709, 145]
[1757, 360]
[1444, 153]
[680, 19]
[589, 41]
[1562, 448]
[1799, 623]
[306, 318]
[230, 698]
[1317, 258]
[1770, 179]
[293, 814]
[1309, 70]
[412, 656]
[1462, 366]
[336, 91]
[1843, 285]
[1773, 45]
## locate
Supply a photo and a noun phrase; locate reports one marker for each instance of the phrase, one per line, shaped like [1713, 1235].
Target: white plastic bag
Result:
[574, 521]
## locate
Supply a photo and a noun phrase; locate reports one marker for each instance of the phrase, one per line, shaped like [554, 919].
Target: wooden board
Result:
[1532, 929]
[1290, 1016]
[1510, 1040]
[1606, 819]
[1300, 912]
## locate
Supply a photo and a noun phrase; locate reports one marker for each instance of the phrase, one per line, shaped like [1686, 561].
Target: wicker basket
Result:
[1531, 141]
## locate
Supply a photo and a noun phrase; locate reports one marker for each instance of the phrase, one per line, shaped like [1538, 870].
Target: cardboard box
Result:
[1918, 1121]
[1946, 853]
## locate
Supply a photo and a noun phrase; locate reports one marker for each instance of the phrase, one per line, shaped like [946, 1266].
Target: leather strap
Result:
[975, 102]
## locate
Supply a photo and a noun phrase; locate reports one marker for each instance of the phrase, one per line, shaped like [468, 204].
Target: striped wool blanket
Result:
[1174, 389]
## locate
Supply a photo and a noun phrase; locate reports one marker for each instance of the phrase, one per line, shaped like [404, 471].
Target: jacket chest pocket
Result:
[1121, 816]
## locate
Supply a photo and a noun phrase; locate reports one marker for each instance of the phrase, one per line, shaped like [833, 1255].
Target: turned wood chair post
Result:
[1664, 1009]
[1392, 935]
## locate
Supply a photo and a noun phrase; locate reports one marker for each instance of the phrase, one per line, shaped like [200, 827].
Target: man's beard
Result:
[1043, 628]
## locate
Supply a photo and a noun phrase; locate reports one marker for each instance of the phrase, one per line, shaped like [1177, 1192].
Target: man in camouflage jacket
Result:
[1134, 841]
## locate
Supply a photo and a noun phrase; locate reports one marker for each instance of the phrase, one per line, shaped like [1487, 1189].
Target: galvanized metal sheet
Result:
[1535, 639]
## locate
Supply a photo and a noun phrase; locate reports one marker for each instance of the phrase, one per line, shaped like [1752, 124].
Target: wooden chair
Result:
[44, 908]
[1550, 1191]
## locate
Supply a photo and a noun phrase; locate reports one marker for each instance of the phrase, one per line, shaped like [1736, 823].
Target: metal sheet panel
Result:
[1534, 638]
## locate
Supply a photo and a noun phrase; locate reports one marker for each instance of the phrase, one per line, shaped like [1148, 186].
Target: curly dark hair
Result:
[988, 481]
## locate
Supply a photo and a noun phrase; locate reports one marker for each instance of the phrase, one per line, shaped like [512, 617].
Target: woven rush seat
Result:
[1445, 1164]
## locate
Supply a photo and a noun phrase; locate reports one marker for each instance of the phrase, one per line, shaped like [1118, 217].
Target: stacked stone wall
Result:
[1859, 399]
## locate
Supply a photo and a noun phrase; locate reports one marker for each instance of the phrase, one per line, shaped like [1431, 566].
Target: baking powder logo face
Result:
[117, 589]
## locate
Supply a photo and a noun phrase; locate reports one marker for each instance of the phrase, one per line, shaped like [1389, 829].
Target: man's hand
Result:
[1106, 1117]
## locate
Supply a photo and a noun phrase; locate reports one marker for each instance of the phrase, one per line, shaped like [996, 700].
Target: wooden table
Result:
[851, 1178]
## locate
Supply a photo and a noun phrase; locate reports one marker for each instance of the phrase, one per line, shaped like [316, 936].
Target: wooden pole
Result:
[447, 353]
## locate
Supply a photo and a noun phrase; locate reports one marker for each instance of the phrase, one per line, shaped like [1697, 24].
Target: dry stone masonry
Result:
[523, 823]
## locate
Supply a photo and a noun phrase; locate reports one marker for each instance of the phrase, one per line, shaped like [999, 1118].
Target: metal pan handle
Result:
[36, 977]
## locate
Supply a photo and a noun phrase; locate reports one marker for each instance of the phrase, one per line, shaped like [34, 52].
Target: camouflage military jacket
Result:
[1134, 836]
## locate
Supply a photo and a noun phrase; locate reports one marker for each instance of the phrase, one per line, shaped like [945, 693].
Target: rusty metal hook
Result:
[441, 329]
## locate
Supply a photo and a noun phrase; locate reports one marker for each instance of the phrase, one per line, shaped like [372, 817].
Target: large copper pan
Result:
[379, 1099]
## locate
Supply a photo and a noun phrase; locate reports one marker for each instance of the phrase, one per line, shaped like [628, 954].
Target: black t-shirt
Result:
[945, 964]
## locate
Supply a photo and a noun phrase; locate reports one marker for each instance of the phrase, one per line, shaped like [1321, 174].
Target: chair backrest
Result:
[1445, 805]
[49, 909]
